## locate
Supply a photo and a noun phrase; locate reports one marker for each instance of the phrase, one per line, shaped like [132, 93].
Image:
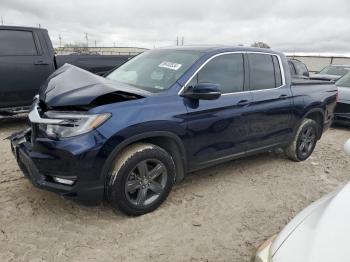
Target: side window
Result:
[15, 42]
[262, 72]
[278, 75]
[225, 70]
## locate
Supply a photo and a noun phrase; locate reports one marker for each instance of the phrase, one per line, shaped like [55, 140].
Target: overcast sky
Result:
[287, 25]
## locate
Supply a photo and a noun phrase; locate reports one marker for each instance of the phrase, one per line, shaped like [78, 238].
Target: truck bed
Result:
[314, 93]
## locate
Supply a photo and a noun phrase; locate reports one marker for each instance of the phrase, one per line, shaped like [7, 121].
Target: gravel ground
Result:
[218, 214]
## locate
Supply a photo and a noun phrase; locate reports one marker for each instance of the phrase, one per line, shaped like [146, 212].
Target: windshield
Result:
[335, 70]
[155, 70]
[344, 81]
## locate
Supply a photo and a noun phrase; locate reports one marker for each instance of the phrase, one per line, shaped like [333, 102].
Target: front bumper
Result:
[43, 159]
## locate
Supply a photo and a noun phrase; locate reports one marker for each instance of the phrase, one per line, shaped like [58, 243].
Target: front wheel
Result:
[142, 178]
[304, 142]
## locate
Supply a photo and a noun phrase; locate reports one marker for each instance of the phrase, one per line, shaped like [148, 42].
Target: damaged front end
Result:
[62, 166]
[62, 107]
[61, 151]
[74, 88]
[62, 124]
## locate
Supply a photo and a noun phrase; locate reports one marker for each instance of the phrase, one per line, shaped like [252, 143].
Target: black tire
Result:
[131, 180]
[296, 151]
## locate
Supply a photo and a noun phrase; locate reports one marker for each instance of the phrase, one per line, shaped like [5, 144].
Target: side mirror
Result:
[307, 74]
[203, 91]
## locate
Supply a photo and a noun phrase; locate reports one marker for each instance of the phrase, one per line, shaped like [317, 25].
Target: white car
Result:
[319, 233]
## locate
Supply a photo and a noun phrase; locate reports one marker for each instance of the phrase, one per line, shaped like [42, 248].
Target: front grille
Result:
[342, 108]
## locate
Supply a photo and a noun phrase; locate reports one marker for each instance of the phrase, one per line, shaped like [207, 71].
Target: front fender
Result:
[130, 135]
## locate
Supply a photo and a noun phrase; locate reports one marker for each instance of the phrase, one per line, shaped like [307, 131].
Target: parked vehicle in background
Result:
[97, 64]
[126, 138]
[298, 69]
[321, 232]
[27, 58]
[332, 72]
[342, 110]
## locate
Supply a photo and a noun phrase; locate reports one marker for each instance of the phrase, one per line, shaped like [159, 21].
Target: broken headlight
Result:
[72, 124]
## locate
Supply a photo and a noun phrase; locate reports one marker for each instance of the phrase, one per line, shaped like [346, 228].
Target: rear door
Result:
[270, 114]
[218, 129]
[23, 66]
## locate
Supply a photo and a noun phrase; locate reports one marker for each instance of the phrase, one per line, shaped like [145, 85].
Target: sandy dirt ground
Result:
[218, 214]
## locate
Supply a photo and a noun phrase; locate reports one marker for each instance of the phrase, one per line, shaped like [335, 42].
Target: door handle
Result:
[40, 62]
[283, 96]
[243, 102]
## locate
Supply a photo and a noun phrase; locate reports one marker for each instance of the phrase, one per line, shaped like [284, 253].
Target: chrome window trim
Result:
[239, 52]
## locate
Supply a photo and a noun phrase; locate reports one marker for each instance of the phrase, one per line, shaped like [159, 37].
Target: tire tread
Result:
[291, 150]
[121, 164]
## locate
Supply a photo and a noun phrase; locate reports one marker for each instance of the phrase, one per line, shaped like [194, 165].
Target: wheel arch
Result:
[166, 140]
[316, 114]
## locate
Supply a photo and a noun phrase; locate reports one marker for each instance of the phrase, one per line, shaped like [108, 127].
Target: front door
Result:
[217, 129]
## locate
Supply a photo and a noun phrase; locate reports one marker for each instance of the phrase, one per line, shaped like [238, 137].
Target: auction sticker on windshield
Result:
[170, 65]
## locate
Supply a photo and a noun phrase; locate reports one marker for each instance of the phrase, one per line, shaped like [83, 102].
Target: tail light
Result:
[337, 95]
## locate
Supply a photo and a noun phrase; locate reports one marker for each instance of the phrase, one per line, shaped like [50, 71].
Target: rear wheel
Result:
[142, 179]
[304, 142]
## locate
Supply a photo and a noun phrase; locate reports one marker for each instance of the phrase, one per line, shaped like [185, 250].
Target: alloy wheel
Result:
[146, 182]
[307, 141]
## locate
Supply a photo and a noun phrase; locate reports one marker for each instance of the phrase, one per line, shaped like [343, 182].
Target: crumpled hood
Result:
[321, 232]
[72, 86]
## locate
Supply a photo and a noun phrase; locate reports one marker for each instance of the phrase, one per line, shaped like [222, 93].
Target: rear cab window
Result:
[291, 68]
[264, 71]
[301, 68]
[17, 42]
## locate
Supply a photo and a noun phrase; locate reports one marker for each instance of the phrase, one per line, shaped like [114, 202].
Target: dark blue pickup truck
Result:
[127, 137]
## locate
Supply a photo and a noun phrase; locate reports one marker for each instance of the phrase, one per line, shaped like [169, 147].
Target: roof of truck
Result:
[221, 48]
